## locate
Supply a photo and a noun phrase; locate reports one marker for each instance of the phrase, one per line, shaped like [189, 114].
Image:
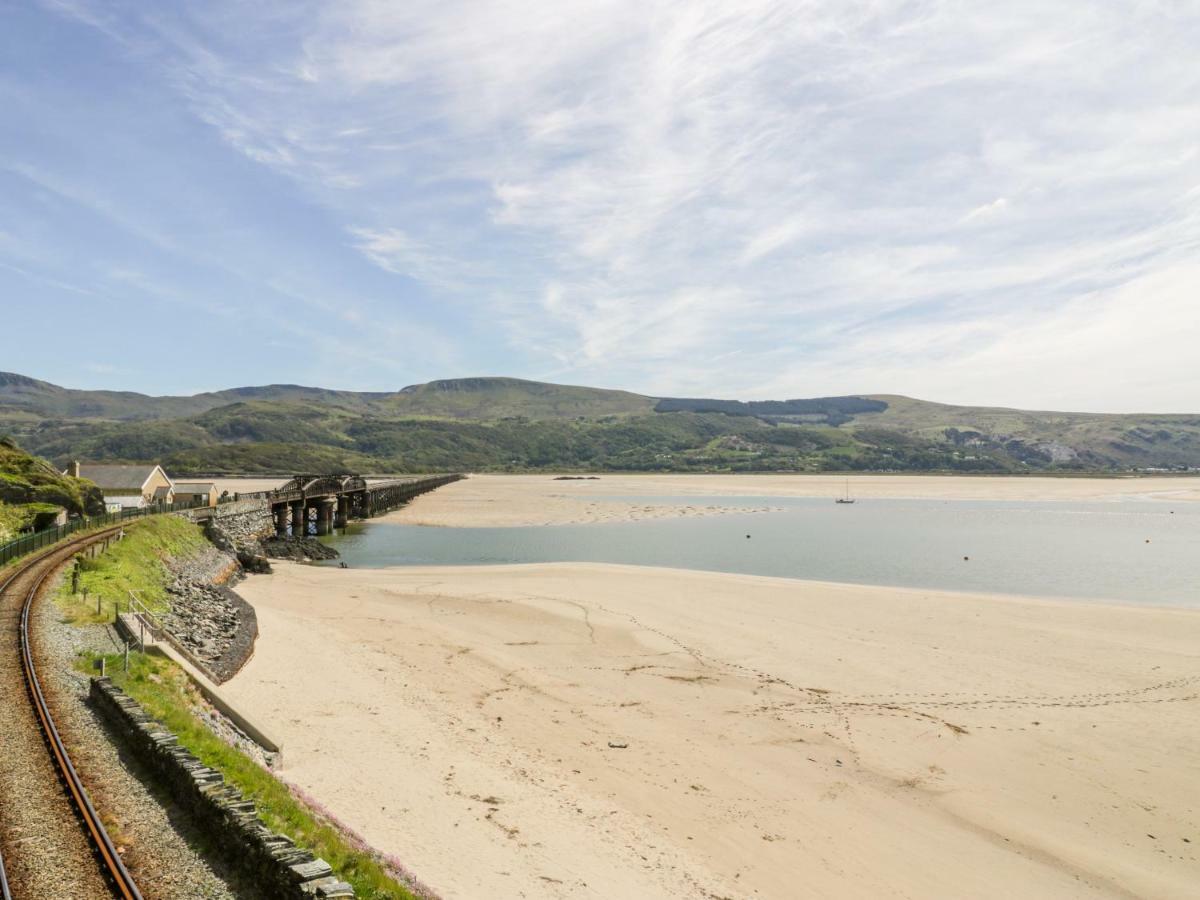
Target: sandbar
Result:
[520, 500]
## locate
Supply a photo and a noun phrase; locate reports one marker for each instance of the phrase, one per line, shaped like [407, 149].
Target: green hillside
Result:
[499, 398]
[31, 490]
[512, 424]
[1089, 439]
[24, 399]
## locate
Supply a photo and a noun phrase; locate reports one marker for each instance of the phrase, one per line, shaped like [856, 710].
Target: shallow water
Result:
[1128, 551]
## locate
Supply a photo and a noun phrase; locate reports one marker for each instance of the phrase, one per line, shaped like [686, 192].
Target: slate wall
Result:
[271, 860]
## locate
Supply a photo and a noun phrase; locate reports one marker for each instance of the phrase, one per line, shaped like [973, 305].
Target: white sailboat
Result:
[847, 498]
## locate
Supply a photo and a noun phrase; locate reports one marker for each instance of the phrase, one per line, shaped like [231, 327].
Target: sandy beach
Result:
[580, 730]
[515, 500]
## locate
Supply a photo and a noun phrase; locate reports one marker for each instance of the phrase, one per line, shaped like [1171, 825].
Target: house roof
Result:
[117, 477]
[194, 487]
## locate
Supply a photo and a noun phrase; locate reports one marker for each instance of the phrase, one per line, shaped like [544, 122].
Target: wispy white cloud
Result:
[996, 207]
[397, 252]
[704, 197]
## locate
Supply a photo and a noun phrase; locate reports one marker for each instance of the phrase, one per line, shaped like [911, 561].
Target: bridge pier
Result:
[325, 508]
[343, 511]
[281, 520]
[299, 519]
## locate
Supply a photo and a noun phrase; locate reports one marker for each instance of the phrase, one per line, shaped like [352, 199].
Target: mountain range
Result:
[513, 424]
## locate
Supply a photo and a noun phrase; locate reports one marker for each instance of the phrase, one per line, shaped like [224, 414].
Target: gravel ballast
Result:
[158, 843]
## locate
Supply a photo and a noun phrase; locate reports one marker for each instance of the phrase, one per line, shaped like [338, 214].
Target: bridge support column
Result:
[281, 520]
[299, 519]
[325, 515]
[343, 511]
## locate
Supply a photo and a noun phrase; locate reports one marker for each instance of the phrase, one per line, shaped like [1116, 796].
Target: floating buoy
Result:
[747, 537]
[965, 558]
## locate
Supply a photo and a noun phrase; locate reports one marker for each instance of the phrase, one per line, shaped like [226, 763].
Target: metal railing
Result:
[338, 484]
[28, 543]
[148, 621]
[302, 487]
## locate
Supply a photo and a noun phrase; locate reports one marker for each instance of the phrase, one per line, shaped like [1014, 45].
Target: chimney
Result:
[73, 469]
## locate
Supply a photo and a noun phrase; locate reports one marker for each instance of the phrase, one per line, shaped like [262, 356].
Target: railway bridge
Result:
[316, 504]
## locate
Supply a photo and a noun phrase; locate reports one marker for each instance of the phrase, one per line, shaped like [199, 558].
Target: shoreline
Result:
[523, 500]
[500, 570]
[777, 732]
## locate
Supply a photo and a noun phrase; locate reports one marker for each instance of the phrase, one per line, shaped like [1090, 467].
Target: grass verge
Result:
[166, 694]
[135, 563]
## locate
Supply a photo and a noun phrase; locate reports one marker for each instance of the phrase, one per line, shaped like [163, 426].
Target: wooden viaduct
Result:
[325, 502]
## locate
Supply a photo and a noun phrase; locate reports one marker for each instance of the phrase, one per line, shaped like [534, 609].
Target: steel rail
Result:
[5, 893]
[113, 865]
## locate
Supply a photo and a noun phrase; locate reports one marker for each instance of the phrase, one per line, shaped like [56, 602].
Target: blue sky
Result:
[967, 202]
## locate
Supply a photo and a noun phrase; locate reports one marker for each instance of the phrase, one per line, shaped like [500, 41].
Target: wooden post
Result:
[102, 667]
[127, 656]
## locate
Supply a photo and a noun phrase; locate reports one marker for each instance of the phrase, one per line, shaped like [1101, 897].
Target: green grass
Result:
[13, 517]
[25, 479]
[166, 694]
[135, 563]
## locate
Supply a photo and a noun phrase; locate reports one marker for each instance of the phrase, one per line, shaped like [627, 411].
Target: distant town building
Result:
[202, 493]
[127, 486]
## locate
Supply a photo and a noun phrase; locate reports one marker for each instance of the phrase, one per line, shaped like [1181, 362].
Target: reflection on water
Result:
[1134, 552]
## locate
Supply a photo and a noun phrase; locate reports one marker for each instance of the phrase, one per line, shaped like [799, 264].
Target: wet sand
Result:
[575, 730]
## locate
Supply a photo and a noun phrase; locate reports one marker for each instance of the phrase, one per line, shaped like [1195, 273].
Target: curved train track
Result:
[51, 844]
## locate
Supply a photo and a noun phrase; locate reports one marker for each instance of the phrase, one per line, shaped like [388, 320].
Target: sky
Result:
[969, 202]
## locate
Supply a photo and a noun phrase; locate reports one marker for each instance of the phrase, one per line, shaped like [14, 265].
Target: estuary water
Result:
[1138, 552]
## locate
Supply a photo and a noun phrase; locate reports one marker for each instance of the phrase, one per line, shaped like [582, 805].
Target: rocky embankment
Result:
[296, 548]
[207, 617]
[216, 625]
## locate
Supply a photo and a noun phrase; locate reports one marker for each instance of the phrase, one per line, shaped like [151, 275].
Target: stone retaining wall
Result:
[271, 860]
[214, 624]
[244, 521]
[207, 619]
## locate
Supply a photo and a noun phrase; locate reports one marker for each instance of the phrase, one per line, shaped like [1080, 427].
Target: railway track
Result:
[52, 840]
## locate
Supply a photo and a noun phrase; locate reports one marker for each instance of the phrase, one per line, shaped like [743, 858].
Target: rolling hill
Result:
[513, 424]
[21, 394]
